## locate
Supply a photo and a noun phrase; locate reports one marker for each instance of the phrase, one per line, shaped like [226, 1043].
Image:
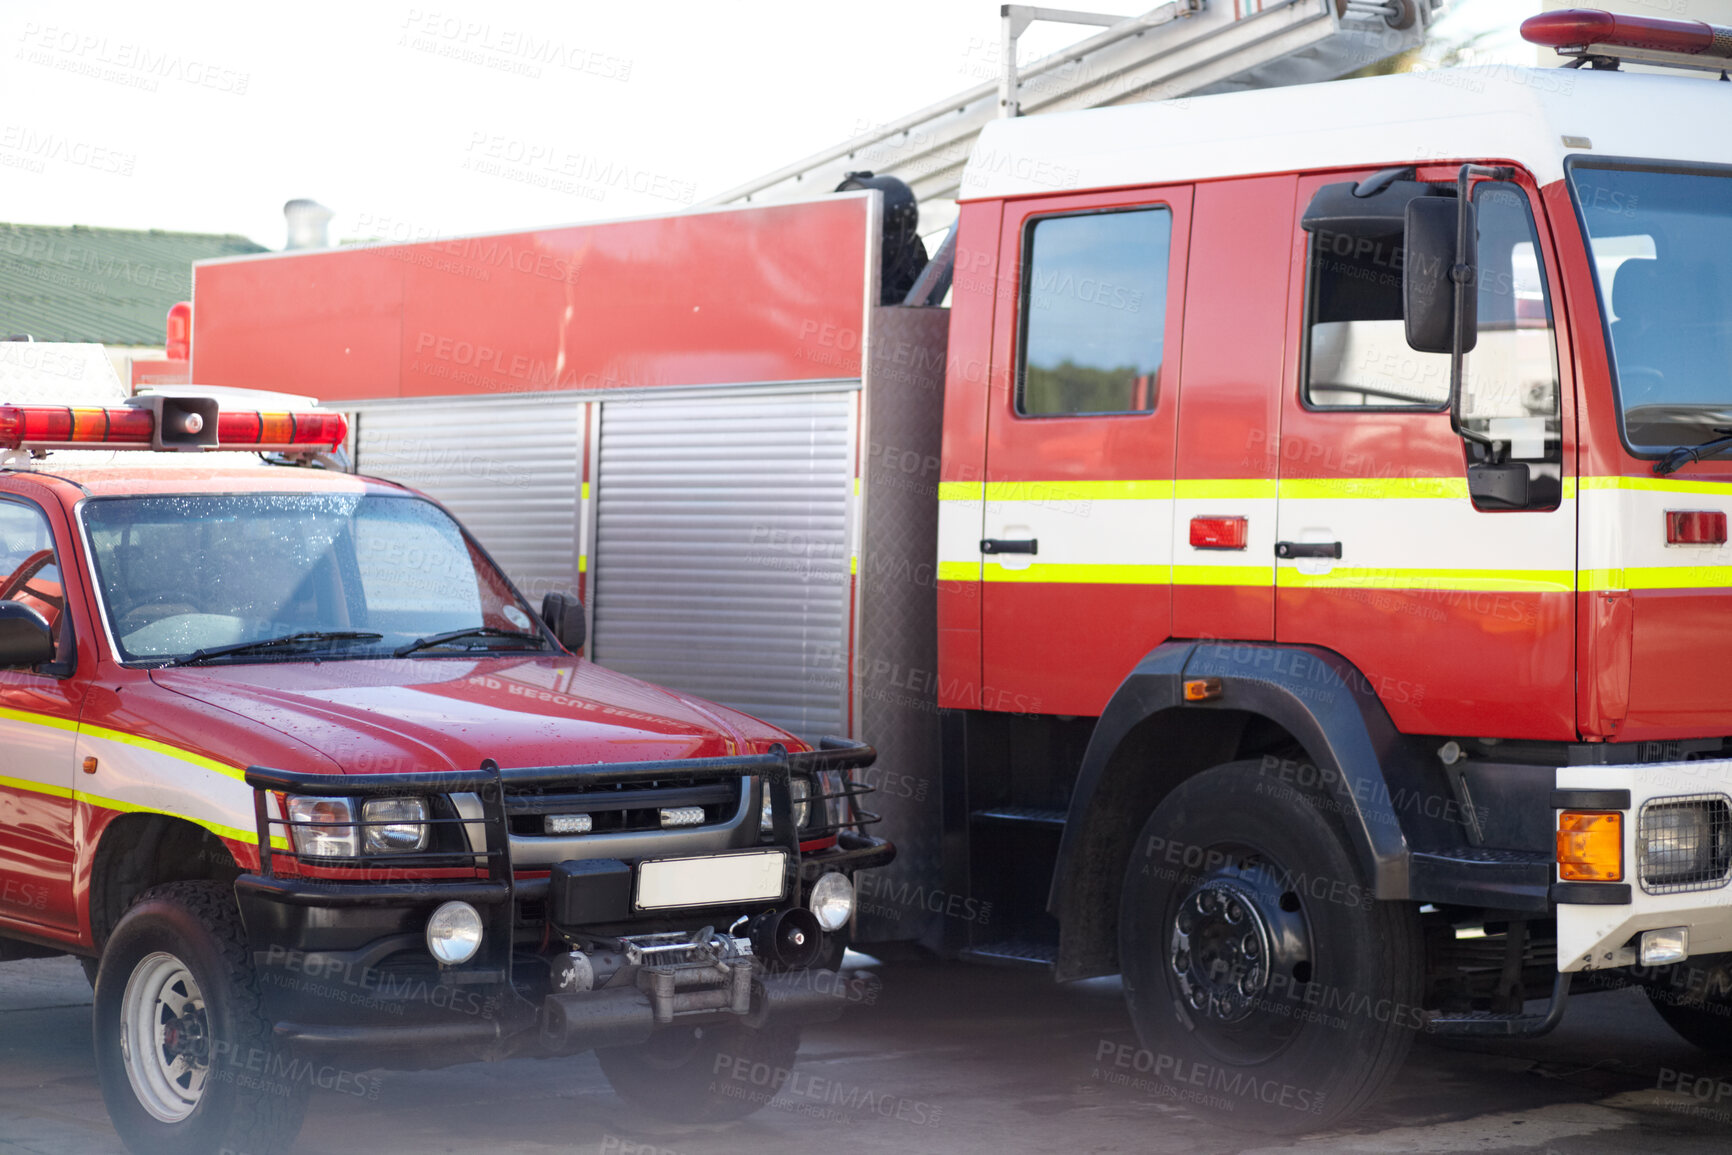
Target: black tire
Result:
[231, 1088]
[1237, 867]
[1705, 1023]
[703, 1074]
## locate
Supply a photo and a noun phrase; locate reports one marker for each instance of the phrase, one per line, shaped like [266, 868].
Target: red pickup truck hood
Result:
[402, 716]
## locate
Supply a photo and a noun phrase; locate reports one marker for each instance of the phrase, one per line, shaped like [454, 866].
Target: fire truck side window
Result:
[1094, 313]
[1357, 353]
[29, 572]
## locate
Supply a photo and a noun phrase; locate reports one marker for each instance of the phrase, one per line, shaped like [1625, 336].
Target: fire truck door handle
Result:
[1009, 545]
[1308, 549]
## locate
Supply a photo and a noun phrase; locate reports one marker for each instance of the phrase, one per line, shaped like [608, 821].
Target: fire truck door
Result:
[1076, 535]
[1458, 612]
[38, 729]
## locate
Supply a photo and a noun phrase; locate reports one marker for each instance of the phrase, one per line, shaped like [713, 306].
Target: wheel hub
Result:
[1220, 950]
[165, 1037]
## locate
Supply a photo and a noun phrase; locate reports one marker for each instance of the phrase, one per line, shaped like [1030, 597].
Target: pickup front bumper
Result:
[340, 952]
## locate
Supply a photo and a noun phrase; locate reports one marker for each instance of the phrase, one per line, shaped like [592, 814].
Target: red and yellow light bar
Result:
[70, 427]
[1587, 30]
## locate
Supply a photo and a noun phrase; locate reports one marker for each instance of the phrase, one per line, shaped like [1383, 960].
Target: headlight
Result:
[801, 789]
[407, 829]
[832, 901]
[334, 837]
[454, 933]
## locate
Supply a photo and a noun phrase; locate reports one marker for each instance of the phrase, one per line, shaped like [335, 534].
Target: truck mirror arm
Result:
[1464, 274]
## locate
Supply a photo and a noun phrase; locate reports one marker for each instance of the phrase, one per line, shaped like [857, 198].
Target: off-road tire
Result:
[1314, 1045]
[703, 1074]
[250, 1100]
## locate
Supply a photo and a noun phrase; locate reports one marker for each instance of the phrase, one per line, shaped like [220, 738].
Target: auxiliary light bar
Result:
[1592, 34]
[169, 424]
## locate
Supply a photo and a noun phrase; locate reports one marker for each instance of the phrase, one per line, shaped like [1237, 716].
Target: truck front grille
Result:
[622, 809]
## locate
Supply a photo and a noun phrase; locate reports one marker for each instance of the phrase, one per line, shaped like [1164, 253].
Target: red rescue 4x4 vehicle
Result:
[310, 788]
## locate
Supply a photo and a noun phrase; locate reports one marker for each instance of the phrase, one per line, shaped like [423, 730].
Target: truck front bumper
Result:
[344, 967]
[1677, 855]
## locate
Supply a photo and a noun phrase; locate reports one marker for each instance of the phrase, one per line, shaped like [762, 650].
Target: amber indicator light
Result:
[1590, 846]
[1202, 689]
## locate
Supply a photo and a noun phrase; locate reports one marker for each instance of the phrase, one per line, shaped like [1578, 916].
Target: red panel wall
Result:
[763, 294]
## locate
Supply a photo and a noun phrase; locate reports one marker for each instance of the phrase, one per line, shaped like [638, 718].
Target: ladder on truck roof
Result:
[1183, 48]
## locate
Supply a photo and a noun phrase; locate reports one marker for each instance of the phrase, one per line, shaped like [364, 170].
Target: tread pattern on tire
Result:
[265, 1120]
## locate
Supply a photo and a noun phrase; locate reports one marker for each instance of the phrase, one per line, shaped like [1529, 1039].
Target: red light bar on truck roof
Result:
[36, 427]
[1591, 33]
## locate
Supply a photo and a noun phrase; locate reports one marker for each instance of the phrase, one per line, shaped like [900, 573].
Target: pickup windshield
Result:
[1661, 238]
[343, 575]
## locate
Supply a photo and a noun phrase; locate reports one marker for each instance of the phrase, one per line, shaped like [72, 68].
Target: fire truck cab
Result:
[1329, 486]
[311, 789]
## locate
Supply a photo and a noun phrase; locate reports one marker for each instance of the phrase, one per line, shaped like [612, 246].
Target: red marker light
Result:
[1695, 527]
[178, 346]
[1581, 27]
[1219, 532]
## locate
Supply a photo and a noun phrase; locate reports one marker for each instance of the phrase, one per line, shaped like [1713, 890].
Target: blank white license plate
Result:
[755, 876]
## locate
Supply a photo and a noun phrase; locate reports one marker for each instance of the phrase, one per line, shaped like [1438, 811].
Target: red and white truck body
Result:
[1172, 485]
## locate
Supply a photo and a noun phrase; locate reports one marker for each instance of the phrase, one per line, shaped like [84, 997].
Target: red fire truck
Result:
[1277, 544]
[301, 777]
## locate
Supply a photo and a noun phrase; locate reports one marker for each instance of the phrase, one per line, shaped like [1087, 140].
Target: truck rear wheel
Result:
[711, 1074]
[185, 1057]
[1263, 978]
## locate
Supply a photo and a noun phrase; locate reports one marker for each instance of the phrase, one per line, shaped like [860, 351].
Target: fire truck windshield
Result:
[1661, 238]
[272, 577]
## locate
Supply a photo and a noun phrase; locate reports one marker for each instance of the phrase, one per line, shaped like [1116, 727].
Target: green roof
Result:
[60, 283]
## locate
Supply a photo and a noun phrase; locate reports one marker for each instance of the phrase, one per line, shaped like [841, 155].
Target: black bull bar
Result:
[379, 880]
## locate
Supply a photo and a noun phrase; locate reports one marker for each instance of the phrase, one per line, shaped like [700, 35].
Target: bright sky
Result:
[206, 117]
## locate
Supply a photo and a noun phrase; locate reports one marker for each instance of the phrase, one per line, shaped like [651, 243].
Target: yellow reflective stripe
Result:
[1659, 485]
[35, 787]
[1569, 489]
[1078, 490]
[582, 563]
[1061, 573]
[1668, 577]
[1492, 581]
[854, 565]
[175, 752]
[38, 720]
[958, 571]
[235, 834]
[1224, 575]
[1224, 489]
[1387, 488]
[960, 490]
[586, 491]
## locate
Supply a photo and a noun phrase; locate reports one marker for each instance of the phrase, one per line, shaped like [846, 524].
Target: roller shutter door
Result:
[722, 556]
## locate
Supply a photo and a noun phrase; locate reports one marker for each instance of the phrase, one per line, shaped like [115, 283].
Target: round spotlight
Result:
[454, 933]
[832, 901]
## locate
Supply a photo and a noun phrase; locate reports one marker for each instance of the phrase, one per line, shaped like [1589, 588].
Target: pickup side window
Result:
[29, 567]
[1094, 312]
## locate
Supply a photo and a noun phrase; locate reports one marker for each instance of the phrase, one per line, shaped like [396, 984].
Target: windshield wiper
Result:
[472, 632]
[295, 639]
[1685, 454]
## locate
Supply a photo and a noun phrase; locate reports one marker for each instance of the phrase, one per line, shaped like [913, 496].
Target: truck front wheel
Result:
[711, 1074]
[184, 1055]
[1264, 980]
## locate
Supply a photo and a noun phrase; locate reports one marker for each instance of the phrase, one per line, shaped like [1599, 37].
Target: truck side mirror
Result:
[1427, 284]
[25, 636]
[563, 614]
